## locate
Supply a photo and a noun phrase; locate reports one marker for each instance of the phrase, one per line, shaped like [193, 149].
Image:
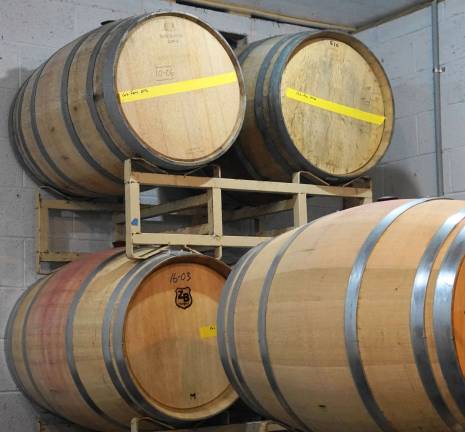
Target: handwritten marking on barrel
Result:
[177, 87]
[334, 107]
[183, 276]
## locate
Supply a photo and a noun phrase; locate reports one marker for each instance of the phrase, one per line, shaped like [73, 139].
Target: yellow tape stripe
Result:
[207, 331]
[335, 107]
[178, 87]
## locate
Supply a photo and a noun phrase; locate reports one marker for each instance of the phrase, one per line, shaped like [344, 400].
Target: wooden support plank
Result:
[169, 207]
[60, 256]
[194, 229]
[247, 185]
[195, 240]
[81, 206]
[253, 212]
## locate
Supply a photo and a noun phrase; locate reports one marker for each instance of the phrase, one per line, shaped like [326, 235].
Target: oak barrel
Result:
[151, 86]
[106, 339]
[355, 322]
[317, 102]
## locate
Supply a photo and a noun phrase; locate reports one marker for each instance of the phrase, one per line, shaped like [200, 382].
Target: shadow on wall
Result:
[401, 181]
[9, 79]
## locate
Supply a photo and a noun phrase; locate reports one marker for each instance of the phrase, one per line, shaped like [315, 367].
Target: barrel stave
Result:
[15, 349]
[384, 316]
[80, 101]
[29, 140]
[46, 342]
[86, 341]
[70, 157]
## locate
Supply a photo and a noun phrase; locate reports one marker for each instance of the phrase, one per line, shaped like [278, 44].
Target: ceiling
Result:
[343, 13]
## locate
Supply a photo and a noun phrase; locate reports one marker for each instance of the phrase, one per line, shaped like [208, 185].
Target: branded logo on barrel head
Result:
[169, 26]
[183, 297]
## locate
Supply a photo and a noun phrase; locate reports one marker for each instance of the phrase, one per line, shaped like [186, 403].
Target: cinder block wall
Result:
[405, 48]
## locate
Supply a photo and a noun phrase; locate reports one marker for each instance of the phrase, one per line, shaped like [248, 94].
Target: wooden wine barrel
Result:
[355, 322]
[106, 339]
[316, 102]
[152, 86]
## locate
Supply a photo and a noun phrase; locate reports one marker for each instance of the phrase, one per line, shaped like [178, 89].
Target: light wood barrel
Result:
[153, 86]
[106, 339]
[355, 322]
[316, 102]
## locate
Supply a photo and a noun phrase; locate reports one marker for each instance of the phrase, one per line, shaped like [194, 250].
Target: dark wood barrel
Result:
[317, 102]
[355, 322]
[152, 86]
[106, 339]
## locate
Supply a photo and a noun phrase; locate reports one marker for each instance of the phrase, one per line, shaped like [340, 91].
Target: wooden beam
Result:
[169, 207]
[247, 185]
[81, 206]
[253, 212]
[60, 256]
[194, 229]
[195, 240]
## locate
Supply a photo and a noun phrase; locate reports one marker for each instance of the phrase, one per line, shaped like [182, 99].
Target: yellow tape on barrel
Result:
[344, 110]
[207, 331]
[177, 87]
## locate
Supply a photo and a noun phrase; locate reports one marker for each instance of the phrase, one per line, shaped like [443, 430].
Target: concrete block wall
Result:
[405, 49]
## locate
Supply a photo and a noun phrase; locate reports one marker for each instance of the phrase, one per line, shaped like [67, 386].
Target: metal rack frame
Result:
[209, 203]
[44, 252]
[211, 234]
